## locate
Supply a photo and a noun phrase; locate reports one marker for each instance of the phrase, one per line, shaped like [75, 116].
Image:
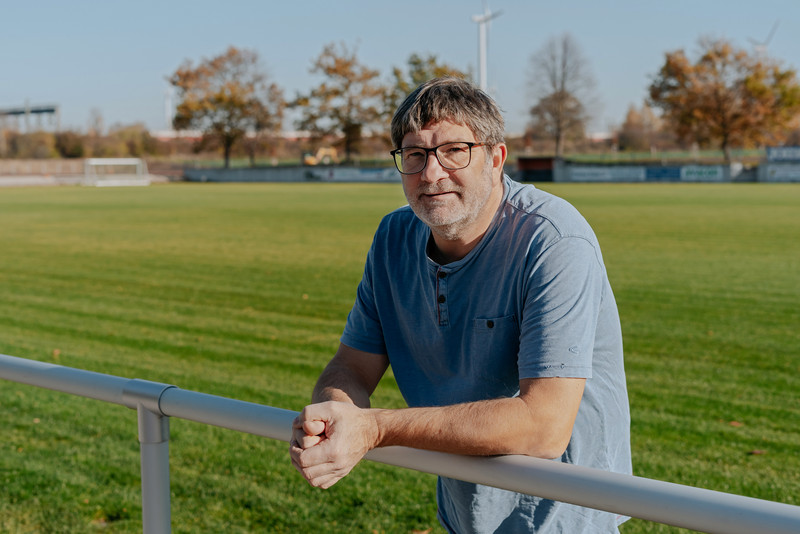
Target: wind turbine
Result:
[761, 47]
[482, 21]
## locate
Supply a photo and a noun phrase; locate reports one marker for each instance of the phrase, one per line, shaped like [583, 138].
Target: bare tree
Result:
[561, 85]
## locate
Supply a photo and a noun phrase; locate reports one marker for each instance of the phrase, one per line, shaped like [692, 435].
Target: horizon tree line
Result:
[724, 98]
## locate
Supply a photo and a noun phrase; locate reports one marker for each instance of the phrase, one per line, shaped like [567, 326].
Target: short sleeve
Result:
[363, 330]
[565, 285]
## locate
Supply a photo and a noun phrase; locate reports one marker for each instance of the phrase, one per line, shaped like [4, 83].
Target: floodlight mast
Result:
[169, 109]
[482, 21]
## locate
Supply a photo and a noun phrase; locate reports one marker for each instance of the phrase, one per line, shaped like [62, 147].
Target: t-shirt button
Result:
[442, 274]
[489, 324]
[441, 299]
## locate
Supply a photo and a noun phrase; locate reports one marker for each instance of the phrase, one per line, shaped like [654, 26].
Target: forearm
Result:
[351, 376]
[492, 427]
[538, 422]
[339, 384]
[329, 438]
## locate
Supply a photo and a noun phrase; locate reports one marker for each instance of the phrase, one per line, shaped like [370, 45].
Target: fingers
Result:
[311, 427]
[314, 428]
[314, 467]
[322, 466]
[328, 440]
[307, 442]
[326, 481]
[307, 433]
[303, 440]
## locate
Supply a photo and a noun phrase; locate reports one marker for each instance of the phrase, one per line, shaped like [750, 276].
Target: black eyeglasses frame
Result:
[435, 149]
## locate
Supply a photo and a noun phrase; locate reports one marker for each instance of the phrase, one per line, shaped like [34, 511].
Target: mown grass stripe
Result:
[241, 290]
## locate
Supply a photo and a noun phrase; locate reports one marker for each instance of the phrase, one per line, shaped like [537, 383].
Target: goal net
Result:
[115, 172]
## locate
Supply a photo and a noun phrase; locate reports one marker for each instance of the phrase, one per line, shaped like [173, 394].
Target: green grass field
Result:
[242, 291]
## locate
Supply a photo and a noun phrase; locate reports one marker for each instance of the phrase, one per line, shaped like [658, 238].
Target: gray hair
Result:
[451, 99]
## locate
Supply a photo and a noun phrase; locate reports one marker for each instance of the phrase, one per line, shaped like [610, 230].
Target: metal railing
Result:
[653, 500]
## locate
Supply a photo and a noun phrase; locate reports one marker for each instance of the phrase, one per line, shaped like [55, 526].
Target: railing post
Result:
[145, 398]
[154, 444]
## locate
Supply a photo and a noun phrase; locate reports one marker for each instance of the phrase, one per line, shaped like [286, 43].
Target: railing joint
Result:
[144, 393]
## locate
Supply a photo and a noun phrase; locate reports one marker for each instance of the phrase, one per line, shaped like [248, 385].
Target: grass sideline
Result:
[242, 290]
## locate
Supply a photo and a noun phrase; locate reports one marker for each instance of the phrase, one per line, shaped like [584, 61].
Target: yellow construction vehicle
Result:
[324, 156]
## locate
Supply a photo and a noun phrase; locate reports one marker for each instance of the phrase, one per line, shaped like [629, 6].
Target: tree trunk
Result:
[352, 137]
[227, 144]
[348, 148]
[559, 145]
[726, 149]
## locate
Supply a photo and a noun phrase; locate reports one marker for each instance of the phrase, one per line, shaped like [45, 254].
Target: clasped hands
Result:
[329, 439]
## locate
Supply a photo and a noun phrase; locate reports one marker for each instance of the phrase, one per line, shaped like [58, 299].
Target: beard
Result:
[455, 208]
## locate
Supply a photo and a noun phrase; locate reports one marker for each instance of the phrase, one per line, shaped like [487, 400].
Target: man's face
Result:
[454, 204]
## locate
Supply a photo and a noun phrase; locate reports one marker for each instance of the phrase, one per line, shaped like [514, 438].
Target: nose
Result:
[433, 171]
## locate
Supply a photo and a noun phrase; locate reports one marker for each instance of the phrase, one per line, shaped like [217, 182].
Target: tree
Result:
[420, 70]
[559, 116]
[266, 127]
[346, 103]
[727, 97]
[641, 129]
[34, 145]
[69, 144]
[135, 137]
[562, 86]
[226, 97]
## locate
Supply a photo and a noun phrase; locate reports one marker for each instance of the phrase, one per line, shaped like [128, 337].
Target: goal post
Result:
[105, 172]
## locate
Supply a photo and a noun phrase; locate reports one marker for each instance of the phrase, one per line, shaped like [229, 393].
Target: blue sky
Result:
[115, 56]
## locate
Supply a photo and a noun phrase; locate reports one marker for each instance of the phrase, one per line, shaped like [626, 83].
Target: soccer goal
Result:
[105, 172]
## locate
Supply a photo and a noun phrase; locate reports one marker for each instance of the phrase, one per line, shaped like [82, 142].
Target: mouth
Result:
[441, 195]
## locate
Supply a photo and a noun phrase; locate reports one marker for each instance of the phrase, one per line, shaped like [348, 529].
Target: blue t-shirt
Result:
[532, 299]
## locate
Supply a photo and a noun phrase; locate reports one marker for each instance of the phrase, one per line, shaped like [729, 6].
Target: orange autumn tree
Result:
[346, 103]
[642, 130]
[727, 98]
[227, 97]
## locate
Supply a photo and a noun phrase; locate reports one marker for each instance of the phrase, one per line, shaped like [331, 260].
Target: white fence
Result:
[663, 502]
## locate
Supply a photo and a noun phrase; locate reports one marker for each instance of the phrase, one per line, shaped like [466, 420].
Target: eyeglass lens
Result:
[451, 156]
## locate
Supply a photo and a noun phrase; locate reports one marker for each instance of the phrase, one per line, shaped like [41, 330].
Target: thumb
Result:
[314, 427]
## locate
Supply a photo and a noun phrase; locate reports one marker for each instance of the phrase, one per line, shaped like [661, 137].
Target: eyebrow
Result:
[441, 144]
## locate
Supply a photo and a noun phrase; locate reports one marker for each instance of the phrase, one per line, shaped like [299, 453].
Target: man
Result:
[490, 301]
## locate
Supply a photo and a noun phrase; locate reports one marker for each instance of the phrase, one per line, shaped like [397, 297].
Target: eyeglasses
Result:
[451, 156]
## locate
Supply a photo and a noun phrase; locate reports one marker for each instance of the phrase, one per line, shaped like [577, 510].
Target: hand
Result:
[329, 439]
[306, 434]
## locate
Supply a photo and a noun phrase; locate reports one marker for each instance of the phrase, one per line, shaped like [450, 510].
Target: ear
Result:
[499, 155]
